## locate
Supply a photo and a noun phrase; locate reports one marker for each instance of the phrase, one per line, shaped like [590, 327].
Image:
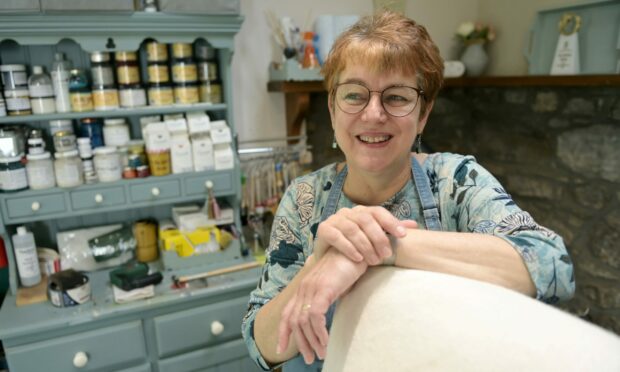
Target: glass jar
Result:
[137, 156]
[17, 101]
[93, 129]
[101, 69]
[68, 169]
[14, 76]
[61, 125]
[79, 92]
[132, 95]
[13, 174]
[116, 132]
[40, 170]
[64, 141]
[41, 92]
[127, 70]
[107, 164]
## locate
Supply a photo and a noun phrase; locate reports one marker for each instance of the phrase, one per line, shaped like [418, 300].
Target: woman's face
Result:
[373, 140]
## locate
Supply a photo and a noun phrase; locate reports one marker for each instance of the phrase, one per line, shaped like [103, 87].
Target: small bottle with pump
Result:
[26, 256]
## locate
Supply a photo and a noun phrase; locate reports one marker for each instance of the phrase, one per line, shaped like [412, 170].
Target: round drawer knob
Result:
[36, 206]
[217, 328]
[98, 198]
[155, 191]
[80, 359]
[209, 184]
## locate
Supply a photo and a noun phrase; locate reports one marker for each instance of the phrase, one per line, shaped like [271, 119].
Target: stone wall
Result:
[557, 152]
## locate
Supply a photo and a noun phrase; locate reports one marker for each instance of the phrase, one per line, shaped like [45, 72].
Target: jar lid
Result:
[104, 150]
[205, 51]
[114, 121]
[5, 68]
[66, 154]
[99, 57]
[186, 84]
[41, 156]
[11, 159]
[125, 56]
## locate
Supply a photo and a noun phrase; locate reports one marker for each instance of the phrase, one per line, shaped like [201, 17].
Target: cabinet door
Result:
[222, 184]
[32, 206]
[229, 357]
[97, 198]
[102, 349]
[199, 327]
[154, 191]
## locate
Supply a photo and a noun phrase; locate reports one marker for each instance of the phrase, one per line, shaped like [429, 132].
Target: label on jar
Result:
[17, 104]
[40, 174]
[158, 74]
[13, 179]
[184, 72]
[106, 99]
[44, 90]
[12, 79]
[181, 50]
[132, 97]
[81, 101]
[159, 163]
[186, 94]
[68, 173]
[128, 74]
[116, 135]
[108, 168]
[160, 96]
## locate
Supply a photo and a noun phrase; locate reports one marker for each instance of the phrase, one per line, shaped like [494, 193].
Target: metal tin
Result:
[13, 174]
[181, 50]
[105, 98]
[184, 71]
[211, 92]
[158, 73]
[156, 52]
[160, 95]
[186, 93]
[126, 56]
[207, 71]
[18, 102]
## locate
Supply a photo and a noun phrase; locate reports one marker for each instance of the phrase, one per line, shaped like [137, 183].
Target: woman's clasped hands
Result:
[346, 244]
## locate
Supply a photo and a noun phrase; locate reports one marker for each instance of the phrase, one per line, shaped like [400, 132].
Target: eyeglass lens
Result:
[397, 101]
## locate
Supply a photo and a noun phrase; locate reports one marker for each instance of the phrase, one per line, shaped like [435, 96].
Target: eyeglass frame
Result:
[421, 94]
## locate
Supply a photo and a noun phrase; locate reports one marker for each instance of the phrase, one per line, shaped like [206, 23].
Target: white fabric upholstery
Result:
[407, 320]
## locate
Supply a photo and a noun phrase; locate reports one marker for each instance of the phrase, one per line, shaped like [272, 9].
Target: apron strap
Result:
[429, 207]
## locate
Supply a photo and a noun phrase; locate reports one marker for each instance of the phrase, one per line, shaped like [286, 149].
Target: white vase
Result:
[475, 59]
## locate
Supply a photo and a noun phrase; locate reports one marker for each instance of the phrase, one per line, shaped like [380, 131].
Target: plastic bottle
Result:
[309, 57]
[41, 92]
[60, 80]
[26, 257]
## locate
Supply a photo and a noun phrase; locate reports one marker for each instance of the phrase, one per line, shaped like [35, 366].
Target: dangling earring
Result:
[418, 143]
[334, 143]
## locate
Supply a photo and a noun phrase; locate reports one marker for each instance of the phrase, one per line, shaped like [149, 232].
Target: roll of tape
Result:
[68, 288]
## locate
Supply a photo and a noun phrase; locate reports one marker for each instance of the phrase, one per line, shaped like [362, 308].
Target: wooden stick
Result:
[226, 270]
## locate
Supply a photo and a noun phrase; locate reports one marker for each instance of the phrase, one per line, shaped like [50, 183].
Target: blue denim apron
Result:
[431, 219]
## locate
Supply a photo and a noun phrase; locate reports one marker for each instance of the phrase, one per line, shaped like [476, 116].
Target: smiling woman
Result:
[437, 212]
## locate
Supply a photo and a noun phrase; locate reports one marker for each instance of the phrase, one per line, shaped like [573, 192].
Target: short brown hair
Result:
[388, 41]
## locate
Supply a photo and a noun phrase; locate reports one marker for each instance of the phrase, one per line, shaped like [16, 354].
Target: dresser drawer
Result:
[39, 205]
[97, 198]
[222, 184]
[155, 191]
[199, 327]
[102, 349]
[230, 357]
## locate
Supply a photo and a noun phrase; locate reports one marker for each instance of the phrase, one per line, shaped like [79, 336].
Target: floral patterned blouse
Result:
[470, 199]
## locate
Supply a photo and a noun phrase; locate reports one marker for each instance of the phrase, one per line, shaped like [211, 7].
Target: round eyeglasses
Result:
[396, 100]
